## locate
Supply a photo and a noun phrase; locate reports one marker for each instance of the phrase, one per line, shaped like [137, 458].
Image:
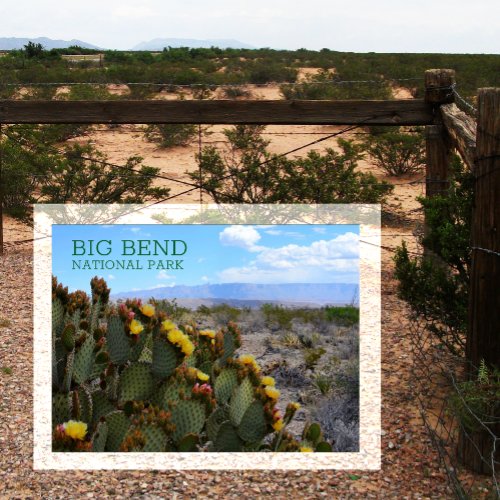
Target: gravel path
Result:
[410, 466]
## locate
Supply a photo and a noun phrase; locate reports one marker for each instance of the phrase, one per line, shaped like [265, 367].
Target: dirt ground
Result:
[410, 466]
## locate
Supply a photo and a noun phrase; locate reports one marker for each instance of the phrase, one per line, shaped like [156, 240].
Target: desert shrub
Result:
[85, 92]
[436, 285]
[328, 86]
[397, 153]
[35, 172]
[170, 135]
[290, 339]
[246, 172]
[223, 313]
[171, 308]
[476, 402]
[312, 356]
[233, 92]
[345, 315]
[323, 382]
[82, 177]
[291, 376]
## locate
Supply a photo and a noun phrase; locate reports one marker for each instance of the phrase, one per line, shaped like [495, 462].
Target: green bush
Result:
[345, 316]
[169, 136]
[436, 285]
[396, 152]
[36, 172]
[246, 172]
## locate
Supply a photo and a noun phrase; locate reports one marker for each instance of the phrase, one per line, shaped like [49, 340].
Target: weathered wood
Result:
[439, 86]
[483, 339]
[437, 161]
[391, 112]
[461, 129]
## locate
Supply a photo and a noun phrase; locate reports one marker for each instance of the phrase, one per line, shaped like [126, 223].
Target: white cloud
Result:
[162, 275]
[319, 230]
[241, 236]
[111, 277]
[204, 278]
[332, 260]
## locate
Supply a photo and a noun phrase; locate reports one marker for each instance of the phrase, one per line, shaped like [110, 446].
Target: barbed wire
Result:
[214, 85]
[468, 106]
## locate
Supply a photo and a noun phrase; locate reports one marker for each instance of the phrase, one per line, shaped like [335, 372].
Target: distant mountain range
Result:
[313, 293]
[154, 45]
[48, 43]
[160, 43]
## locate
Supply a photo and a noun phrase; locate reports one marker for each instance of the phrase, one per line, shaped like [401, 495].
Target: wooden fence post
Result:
[483, 338]
[438, 90]
[1, 191]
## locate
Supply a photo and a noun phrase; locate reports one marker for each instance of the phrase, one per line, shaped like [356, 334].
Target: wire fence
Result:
[456, 410]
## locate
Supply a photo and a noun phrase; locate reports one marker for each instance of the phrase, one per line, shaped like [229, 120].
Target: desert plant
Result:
[246, 172]
[290, 339]
[323, 382]
[170, 135]
[397, 152]
[312, 357]
[345, 315]
[436, 285]
[127, 378]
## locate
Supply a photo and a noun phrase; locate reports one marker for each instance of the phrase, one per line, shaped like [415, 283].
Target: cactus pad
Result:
[84, 361]
[61, 407]
[241, 400]
[188, 443]
[229, 348]
[118, 344]
[118, 425]
[227, 439]
[100, 436]
[164, 358]
[85, 401]
[253, 424]
[68, 372]
[136, 383]
[57, 316]
[100, 405]
[216, 419]
[156, 439]
[225, 384]
[188, 417]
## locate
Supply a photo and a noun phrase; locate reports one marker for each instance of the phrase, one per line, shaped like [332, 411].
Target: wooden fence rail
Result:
[392, 112]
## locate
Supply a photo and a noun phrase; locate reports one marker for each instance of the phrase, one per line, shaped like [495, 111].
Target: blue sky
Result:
[357, 25]
[215, 254]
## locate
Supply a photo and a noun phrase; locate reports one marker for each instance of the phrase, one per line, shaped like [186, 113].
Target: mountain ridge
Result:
[318, 293]
[15, 43]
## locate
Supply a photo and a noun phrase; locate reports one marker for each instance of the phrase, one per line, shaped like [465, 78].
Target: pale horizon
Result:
[356, 26]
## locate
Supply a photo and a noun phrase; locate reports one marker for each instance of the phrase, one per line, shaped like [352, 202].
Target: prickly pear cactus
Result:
[127, 378]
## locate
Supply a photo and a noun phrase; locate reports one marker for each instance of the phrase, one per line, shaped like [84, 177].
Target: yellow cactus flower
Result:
[202, 376]
[186, 346]
[271, 392]
[192, 371]
[188, 328]
[212, 341]
[295, 406]
[268, 381]
[75, 429]
[148, 310]
[168, 325]
[247, 359]
[136, 327]
[306, 449]
[175, 336]
[208, 333]
[278, 425]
